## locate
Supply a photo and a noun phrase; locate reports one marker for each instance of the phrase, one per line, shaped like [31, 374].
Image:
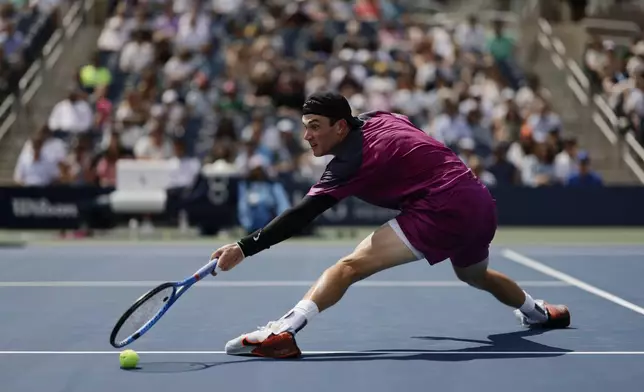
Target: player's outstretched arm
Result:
[283, 227]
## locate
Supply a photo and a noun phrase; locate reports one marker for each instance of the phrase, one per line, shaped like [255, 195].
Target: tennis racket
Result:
[151, 306]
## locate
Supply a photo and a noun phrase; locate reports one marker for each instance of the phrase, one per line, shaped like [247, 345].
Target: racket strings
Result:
[144, 313]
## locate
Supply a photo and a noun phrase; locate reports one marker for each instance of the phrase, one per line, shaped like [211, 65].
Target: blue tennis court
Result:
[412, 327]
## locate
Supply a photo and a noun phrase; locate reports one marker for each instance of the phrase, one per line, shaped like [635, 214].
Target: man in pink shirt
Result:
[383, 159]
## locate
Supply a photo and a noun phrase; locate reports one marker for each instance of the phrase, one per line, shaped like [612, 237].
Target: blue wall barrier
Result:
[212, 205]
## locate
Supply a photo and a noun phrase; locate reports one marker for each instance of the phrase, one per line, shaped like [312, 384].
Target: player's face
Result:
[321, 135]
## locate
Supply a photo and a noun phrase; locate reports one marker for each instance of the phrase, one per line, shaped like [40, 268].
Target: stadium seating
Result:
[219, 86]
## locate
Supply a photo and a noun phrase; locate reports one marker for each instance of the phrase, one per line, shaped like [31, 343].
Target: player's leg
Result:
[383, 249]
[482, 277]
[508, 292]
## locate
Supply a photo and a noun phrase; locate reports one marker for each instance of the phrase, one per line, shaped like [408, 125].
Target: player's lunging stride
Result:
[383, 159]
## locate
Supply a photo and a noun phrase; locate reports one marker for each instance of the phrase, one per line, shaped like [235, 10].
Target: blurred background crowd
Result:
[219, 85]
[616, 71]
[24, 28]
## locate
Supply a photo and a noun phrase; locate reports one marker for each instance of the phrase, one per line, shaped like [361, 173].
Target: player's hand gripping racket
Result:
[151, 306]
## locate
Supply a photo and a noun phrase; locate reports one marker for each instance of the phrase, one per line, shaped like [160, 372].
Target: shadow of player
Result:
[506, 346]
[182, 367]
[510, 345]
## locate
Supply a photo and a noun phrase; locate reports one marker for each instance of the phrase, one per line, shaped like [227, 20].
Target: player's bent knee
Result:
[474, 275]
[353, 268]
[475, 282]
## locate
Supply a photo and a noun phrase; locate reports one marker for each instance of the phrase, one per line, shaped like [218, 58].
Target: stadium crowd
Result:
[25, 27]
[220, 84]
[617, 72]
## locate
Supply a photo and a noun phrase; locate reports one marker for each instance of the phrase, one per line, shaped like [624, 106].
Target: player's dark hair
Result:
[331, 105]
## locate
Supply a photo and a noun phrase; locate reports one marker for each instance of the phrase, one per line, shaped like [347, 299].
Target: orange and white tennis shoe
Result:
[558, 316]
[271, 341]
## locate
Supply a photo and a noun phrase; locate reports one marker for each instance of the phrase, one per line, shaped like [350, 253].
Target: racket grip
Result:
[207, 269]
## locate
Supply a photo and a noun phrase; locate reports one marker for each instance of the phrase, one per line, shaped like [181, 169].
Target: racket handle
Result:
[207, 269]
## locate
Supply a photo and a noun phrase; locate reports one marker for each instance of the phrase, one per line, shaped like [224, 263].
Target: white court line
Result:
[259, 283]
[537, 266]
[375, 352]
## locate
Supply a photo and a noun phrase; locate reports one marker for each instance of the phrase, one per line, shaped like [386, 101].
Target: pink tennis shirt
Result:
[388, 162]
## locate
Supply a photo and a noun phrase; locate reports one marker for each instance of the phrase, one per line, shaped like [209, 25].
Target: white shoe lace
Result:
[271, 326]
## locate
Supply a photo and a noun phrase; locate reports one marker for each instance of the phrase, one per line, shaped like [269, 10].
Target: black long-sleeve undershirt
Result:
[287, 224]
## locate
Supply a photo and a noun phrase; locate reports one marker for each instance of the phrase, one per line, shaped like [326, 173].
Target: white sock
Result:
[532, 310]
[300, 315]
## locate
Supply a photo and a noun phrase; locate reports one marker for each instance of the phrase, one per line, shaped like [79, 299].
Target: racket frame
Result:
[178, 288]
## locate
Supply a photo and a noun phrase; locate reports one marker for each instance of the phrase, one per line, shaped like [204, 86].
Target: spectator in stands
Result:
[53, 149]
[8, 76]
[616, 74]
[105, 172]
[221, 160]
[543, 120]
[470, 35]
[566, 163]
[133, 110]
[12, 41]
[71, 116]
[466, 149]
[155, 145]
[537, 169]
[637, 56]
[137, 54]
[34, 169]
[611, 60]
[94, 75]
[287, 151]
[172, 110]
[481, 172]
[44, 7]
[77, 168]
[188, 166]
[506, 118]
[139, 21]
[595, 61]
[112, 40]
[630, 104]
[193, 30]
[166, 25]
[526, 96]
[449, 126]
[502, 51]
[505, 173]
[320, 45]
[202, 97]
[102, 107]
[260, 199]
[367, 10]
[585, 176]
[180, 67]
[479, 130]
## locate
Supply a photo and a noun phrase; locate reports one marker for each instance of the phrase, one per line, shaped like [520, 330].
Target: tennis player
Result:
[383, 159]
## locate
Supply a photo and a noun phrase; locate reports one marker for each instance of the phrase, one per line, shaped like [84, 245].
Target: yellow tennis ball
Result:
[128, 359]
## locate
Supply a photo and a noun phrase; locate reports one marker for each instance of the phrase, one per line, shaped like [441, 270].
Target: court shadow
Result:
[511, 345]
[181, 367]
